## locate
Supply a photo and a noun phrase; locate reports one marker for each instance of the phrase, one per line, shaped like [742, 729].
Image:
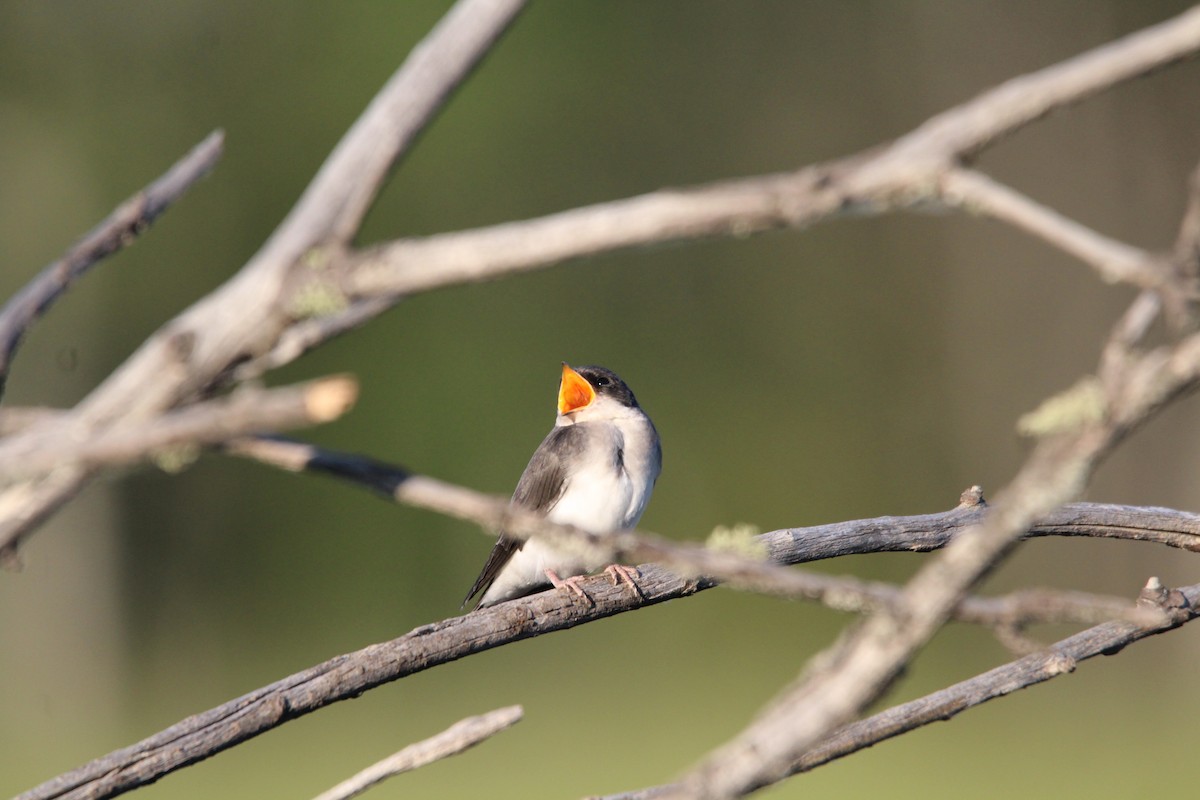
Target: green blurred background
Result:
[861, 368]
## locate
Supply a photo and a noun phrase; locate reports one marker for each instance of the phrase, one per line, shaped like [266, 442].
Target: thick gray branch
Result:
[348, 676]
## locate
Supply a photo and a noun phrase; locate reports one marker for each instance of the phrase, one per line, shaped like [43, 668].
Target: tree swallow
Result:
[594, 470]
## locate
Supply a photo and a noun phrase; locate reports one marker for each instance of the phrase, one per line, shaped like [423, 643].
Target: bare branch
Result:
[741, 208]
[1060, 658]
[737, 569]
[247, 410]
[921, 533]
[858, 669]
[348, 676]
[1011, 612]
[747, 568]
[965, 130]
[901, 175]
[1115, 261]
[744, 567]
[303, 336]
[247, 316]
[1186, 253]
[24, 507]
[460, 736]
[928, 532]
[339, 197]
[185, 357]
[117, 231]
[915, 534]
[19, 418]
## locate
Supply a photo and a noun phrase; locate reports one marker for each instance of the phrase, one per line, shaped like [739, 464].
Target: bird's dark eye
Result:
[601, 381]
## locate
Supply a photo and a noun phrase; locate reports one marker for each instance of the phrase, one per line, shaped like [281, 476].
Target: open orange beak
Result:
[574, 392]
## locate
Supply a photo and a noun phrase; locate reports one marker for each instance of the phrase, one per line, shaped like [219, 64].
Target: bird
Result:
[595, 470]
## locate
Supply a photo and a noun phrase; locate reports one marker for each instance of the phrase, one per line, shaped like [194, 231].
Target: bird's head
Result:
[593, 393]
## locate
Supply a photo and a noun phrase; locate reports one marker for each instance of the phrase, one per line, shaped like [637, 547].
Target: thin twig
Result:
[307, 334]
[460, 736]
[967, 129]
[1186, 253]
[922, 533]
[1113, 260]
[916, 534]
[745, 566]
[117, 231]
[749, 570]
[1008, 613]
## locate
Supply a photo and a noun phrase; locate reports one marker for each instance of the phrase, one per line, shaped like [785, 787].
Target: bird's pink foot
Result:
[571, 584]
[623, 574]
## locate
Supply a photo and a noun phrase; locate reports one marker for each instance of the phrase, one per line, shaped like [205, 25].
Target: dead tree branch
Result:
[460, 736]
[246, 317]
[305, 271]
[1114, 261]
[903, 174]
[117, 231]
[348, 676]
[1061, 658]
[247, 410]
[308, 271]
[752, 564]
[861, 666]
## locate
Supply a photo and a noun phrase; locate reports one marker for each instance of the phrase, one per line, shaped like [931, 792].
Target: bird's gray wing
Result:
[541, 485]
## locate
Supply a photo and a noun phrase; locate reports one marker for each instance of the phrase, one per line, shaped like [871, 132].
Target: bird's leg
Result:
[621, 573]
[571, 584]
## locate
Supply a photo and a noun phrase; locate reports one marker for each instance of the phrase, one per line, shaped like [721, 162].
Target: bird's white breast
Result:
[598, 494]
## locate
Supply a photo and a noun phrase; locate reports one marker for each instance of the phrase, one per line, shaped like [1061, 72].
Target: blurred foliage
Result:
[861, 368]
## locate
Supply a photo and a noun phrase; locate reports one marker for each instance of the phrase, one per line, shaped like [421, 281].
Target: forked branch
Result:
[348, 676]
